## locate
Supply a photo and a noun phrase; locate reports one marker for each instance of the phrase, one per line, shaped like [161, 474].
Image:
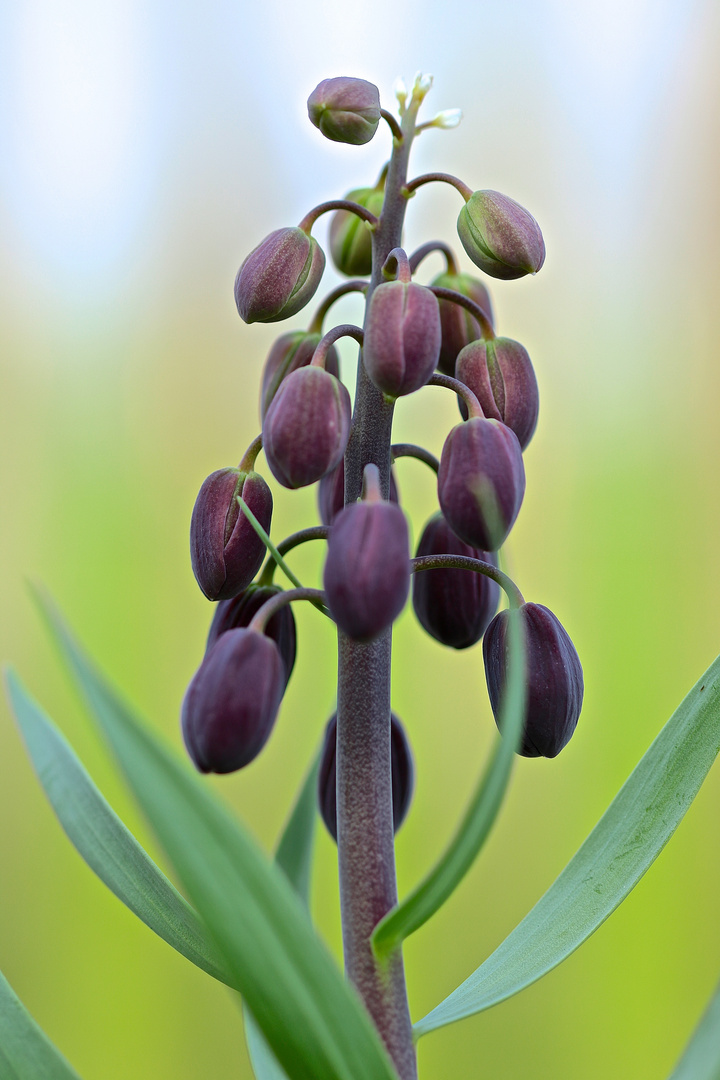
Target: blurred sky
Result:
[144, 149]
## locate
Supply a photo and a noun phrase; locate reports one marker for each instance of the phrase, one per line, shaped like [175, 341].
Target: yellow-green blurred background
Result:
[145, 148]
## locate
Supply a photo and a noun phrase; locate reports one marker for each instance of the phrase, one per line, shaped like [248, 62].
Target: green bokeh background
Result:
[146, 149]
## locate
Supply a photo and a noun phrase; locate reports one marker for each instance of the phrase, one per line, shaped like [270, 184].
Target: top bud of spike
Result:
[345, 110]
[500, 236]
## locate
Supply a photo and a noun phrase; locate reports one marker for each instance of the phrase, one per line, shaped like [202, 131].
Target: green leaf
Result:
[701, 1060]
[314, 1023]
[105, 844]
[465, 846]
[627, 839]
[26, 1053]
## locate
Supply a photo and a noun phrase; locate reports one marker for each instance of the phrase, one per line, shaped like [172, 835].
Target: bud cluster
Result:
[412, 335]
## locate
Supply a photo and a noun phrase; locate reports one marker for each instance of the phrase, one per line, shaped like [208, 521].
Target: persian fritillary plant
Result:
[246, 922]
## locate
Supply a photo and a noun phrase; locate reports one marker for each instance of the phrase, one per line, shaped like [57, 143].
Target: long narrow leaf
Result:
[701, 1060]
[26, 1053]
[465, 846]
[106, 845]
[625, 842]
[316, 1027]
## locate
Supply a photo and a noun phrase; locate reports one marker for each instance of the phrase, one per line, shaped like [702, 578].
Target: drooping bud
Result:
[403, 775]
[454, 606]
[226, 551]
[231, 703]
[350, 237]
[501, 376]
[554, 678]
[345, 110]
[367, 569]
[457, 324]
[290, 352]
[402, 337]
[279, 276]
[481, 482]
[236, 613]
[331, 493]
[500, 236]
[306, 427]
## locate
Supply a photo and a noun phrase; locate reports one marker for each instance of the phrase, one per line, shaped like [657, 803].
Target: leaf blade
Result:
[701, 1058]
[628, 838]
[26, 1053]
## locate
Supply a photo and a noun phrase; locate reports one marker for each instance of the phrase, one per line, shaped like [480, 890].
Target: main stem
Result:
[366, 851]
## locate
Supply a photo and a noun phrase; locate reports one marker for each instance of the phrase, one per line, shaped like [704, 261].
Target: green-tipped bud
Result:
[279, 276]
[290, 352]
[345, 110]
[500, 236]
[351, 237]
[459, 328]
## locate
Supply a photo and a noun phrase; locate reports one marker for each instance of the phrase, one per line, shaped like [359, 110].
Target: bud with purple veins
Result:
[501, 375]
[458, 326]
[236, 613]
[554, 678]
[279, 276]
[403, 775]
[331, 493]
[454, 606]
[345, 110]
[350, 237]
[290, 352]
[226, 551]
[500, 236]
[367, 569]
[232, 701]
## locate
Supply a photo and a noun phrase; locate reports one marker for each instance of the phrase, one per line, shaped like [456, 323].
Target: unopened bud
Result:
[447, 119]
[331, 493]
[481, 482]
[306, 427]
[351, 237]
[403, 775]
[500, 236]
[230, 706]
[553, 673]
[290, 352]
[345, 110]
[402, 337]
[458, 325]
[279, 276]
[501, 375]
[236, 613]
[226, 551]
[454, 606]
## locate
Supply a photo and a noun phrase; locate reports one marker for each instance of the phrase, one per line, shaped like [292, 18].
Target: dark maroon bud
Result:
[500, 236]
[367, 570]
[350, 237]
[501, 377]
[226, 551]
[237, 612]
[279, 276]
[290, 352]
[454, 606]
[306, 427]
[345, 110]
[458, 326]
[231, 703]
[331, 493]
[481, 482]
[554, 678]
[402, 337]
[403, 775]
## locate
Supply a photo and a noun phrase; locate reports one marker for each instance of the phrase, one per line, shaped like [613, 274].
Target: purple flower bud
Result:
[500, 236]
[481, 482]
[367, 570]
[458, 326]
[231, 703]
[345, 110]
[501, 376]
[402, 771]
[554, 678]
[290, 352]
[237, 612]
[226, 551]
[331, 493]
[454, 606]
[306, 427]
[402, 337]
[350, 237]
[279, 276]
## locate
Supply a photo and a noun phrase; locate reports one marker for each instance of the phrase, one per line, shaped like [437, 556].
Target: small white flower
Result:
[422, 84]
[449, 118]
[400, 91]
